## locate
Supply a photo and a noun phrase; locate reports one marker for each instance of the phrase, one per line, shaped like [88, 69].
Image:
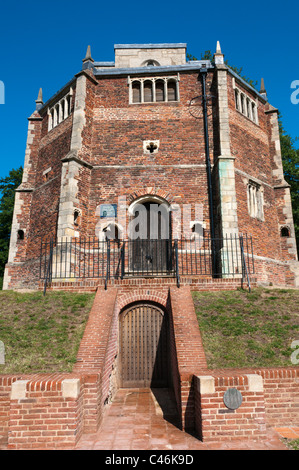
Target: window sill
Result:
[156, 103]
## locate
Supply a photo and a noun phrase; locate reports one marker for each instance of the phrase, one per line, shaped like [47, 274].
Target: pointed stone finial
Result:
[40, 96]
[88, 56]
[39, 101]
[218, 56]
[262, 90]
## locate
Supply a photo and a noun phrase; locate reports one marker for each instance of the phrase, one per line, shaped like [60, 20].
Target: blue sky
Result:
[43, 44]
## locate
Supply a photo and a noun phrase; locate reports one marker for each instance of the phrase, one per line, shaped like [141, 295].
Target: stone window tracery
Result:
[255, 198]
[246, 105]
[60, 111]
[153, 90]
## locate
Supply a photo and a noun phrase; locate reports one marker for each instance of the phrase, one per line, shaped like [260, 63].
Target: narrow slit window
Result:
[237, 99]
[253, 109]
[160, 94]
[171, 90]
[136, 92]
[285, 232]
[77, 218]
[20, 234]
[148, 91]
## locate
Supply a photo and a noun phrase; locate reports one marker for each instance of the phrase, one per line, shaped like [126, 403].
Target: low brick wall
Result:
[281, 392]
[41, 411]
[53, 410]
[214, 421]
[190, 356]
[270, 398]
[96, 356]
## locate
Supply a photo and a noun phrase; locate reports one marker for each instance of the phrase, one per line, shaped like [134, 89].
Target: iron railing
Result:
[92, 258]
[49, 266]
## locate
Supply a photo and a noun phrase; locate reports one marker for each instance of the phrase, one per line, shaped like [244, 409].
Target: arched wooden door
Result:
[143, 346]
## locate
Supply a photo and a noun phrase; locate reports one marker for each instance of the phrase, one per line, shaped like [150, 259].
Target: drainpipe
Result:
[203, 72]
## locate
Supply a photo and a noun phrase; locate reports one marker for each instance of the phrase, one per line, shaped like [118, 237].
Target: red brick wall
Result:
[281, 391]
[190, 356]
[214, 421]
[5, 389]
[254, 151]
[276, 406]
[97, 353]
[44, 419]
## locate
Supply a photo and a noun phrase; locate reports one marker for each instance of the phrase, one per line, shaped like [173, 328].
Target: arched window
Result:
[253, 109]
[255, 198]
[171, 90]
[77, 217]
[284, 232]
[160, 94]
[154, 89]
[60, 111]
[69, 103]
[246, 105]
[237, 99]
[55, 117]
[248, 108]
[136, 92]
[148, 91]
[20, 234]
[242, 103]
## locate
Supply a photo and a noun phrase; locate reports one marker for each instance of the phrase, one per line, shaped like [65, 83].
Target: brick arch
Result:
[126, 299]
[151, 191]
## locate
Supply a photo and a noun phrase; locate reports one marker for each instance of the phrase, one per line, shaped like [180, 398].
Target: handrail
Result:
[244, 265]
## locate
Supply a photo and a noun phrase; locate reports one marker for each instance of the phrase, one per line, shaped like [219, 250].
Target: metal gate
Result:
[143, 346]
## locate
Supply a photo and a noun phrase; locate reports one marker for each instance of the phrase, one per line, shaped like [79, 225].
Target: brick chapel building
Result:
[152, 128]
[144, 179]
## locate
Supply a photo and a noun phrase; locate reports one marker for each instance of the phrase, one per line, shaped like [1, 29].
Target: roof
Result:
[151, 46]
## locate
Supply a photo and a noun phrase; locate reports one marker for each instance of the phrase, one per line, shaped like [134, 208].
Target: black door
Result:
[150, 245]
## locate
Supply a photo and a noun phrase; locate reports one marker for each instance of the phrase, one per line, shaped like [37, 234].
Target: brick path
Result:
[141, 419]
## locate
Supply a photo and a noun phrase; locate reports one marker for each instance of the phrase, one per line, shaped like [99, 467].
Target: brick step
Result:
[195, 283]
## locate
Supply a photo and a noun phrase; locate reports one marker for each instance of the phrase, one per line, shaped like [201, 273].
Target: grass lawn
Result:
[42, 334]
[242, 329]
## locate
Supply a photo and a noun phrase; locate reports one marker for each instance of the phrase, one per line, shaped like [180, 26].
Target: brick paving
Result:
[144, 419]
